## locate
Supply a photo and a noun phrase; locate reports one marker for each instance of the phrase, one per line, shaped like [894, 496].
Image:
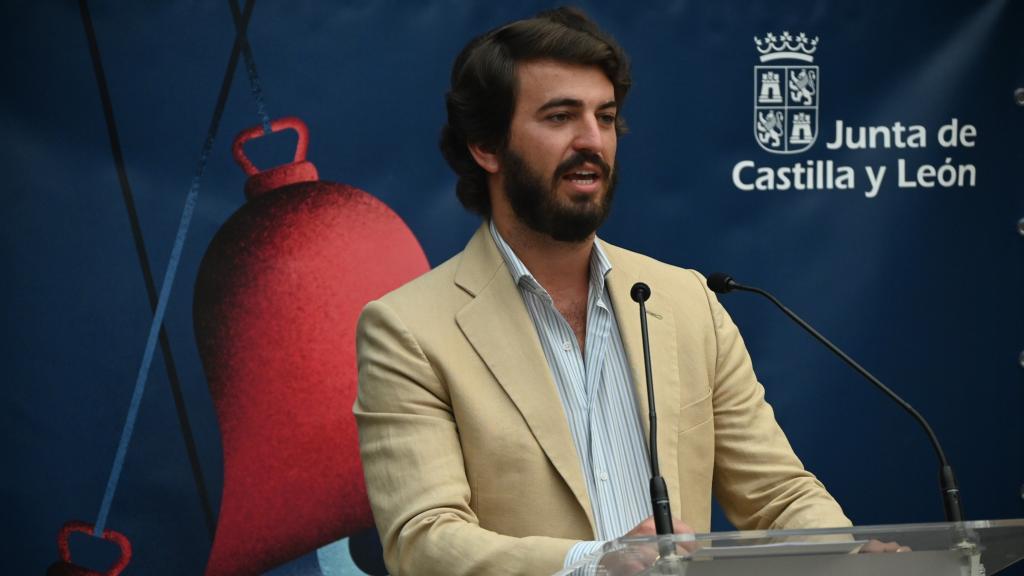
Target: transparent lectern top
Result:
[979, 548]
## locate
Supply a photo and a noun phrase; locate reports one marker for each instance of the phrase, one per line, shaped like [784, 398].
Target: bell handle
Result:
[64, 548]
[289, 122]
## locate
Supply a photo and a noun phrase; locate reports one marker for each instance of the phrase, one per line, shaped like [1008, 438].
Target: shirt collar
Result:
[600, 266]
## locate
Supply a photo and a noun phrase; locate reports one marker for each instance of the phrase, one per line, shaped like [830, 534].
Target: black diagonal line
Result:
[229, 74]
[147, 273]
[241, 28]
[140, 247]
[250, 64]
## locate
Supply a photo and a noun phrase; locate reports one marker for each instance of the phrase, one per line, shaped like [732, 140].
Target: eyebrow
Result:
[573, 103]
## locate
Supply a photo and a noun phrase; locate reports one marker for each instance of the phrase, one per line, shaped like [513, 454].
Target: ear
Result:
[486, 156]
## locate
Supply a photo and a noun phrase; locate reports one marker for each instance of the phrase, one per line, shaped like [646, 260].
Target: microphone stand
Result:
[660, 507]
[952, 506]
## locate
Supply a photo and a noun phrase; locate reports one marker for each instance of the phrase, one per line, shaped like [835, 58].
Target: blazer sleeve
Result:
[414, 470]
[758, 479]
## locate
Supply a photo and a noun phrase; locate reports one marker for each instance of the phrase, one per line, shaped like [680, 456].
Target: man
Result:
[500, 394]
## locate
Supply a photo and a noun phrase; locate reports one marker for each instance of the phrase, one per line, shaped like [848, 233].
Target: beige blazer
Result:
[469, 462]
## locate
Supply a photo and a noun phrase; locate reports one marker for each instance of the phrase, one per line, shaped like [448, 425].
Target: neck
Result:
[560, 267]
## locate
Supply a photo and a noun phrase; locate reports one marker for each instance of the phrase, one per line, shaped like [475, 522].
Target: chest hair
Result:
[575, 313]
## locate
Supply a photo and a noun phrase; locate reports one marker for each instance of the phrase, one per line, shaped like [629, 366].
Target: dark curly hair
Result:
[484, 85]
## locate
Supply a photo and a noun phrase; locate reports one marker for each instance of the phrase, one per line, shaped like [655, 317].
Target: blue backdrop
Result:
[923, 285]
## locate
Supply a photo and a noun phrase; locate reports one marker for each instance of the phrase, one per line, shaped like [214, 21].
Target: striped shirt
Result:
[595, 386]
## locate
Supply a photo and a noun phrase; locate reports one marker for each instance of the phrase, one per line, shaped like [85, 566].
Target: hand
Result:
[646, 528]
[631, 560]
[879, 547]
[637, 558]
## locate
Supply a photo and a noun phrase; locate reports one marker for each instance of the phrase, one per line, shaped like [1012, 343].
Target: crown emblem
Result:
[786, 47]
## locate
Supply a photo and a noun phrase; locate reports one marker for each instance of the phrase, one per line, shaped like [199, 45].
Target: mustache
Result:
[579, 159]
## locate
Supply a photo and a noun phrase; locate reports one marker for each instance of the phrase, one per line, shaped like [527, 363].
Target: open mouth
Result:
[582, 176]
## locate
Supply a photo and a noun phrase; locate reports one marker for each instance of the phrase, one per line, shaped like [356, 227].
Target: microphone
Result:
[722, 283]
[659, 490]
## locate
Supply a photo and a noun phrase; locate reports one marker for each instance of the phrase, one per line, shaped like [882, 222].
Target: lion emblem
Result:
[770, 128]
[802, 86]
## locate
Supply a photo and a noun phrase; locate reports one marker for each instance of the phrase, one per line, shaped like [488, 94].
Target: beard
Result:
[536, 204]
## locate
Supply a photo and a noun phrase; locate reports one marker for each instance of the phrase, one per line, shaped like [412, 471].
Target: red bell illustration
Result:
[277, 298]
[65, 567]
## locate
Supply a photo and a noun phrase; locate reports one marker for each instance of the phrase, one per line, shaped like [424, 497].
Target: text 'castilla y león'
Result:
[830, 174]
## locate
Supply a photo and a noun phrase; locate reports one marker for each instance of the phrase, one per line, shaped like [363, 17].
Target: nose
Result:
[589, 136]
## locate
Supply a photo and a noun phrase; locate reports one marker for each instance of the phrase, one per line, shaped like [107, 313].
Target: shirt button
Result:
[566, 345]
[603, 476]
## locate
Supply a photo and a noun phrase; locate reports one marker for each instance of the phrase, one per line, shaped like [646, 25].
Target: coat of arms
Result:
[786, 93]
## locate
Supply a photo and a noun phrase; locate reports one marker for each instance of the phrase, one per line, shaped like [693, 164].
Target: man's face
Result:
[558, 169]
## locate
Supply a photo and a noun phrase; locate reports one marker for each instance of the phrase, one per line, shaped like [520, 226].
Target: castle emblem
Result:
[786, 90]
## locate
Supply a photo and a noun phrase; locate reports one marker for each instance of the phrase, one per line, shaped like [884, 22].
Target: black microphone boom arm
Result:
[722, 283]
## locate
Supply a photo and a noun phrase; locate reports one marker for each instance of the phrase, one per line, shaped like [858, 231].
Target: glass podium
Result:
[978, 548]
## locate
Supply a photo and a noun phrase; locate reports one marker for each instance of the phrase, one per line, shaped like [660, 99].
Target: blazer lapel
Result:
[664, 360]
[495, 323]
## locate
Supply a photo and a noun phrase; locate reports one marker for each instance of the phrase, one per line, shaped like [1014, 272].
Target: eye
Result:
[559, 117]
[607, 119]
